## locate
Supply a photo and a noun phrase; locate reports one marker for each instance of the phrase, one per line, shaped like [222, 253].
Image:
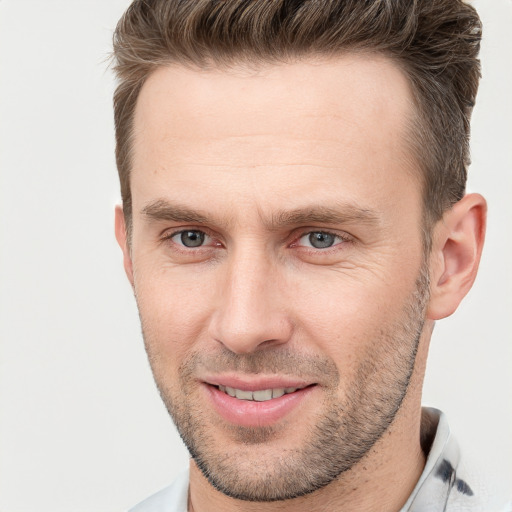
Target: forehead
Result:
[344, 118]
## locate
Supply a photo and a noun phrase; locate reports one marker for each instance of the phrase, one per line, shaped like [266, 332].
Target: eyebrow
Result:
[162, 209]
[338, 213]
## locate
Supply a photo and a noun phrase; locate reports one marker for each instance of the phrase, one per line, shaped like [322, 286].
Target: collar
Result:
[439, 484]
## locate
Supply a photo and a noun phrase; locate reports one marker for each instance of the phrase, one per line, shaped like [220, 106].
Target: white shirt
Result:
[444, 485]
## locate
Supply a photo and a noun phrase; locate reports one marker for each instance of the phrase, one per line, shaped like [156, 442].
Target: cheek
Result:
[348, 317]
[174, 308]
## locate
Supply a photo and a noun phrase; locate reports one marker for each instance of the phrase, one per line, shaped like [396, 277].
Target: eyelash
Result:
[167, 237]
[342, 239]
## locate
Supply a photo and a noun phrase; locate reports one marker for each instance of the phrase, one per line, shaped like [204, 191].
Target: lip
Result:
[249, 413]
[256, 384]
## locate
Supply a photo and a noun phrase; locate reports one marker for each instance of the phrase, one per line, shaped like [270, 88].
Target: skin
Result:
[257, 159]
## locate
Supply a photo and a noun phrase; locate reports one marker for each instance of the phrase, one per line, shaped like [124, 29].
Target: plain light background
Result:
[82, 428]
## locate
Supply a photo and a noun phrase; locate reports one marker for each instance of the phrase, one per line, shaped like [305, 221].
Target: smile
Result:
[258, 396]
[259, 403]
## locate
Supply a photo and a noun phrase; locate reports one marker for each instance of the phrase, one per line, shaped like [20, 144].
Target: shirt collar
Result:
[439, 476]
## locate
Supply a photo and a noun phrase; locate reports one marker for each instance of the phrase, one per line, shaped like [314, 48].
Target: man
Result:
[294, 222]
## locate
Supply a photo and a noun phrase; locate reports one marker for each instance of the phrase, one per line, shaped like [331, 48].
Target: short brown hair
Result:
[436, 43]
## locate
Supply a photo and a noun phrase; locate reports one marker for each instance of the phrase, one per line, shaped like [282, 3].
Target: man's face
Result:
[277, 256]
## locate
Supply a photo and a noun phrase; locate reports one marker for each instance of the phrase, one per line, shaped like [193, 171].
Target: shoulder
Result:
[450, 482]
[172, 498]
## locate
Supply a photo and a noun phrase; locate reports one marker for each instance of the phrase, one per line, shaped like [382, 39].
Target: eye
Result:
[320, 239]
[190, 238]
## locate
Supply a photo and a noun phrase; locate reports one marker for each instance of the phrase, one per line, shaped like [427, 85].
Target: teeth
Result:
[257, 396]
[262, 396]
[276, 393]
[243, 395]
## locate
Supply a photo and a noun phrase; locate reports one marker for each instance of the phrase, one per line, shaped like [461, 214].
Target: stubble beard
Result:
[338, 440]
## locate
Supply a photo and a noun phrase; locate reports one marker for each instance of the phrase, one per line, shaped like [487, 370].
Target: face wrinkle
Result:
[339, 440]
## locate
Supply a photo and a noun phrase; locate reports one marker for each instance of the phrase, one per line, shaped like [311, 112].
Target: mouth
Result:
[258, 404]
[262, 395]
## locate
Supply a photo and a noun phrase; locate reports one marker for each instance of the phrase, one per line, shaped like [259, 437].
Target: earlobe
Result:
[122, 240]
[457, 246]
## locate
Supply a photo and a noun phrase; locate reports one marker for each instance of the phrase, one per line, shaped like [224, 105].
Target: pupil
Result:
[321, 240]
[192, 238]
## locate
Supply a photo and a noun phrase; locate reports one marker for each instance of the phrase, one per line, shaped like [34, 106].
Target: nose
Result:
[251, 309]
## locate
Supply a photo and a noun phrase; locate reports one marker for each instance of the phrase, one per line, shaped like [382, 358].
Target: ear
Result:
[457, 245]
[122, 240]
